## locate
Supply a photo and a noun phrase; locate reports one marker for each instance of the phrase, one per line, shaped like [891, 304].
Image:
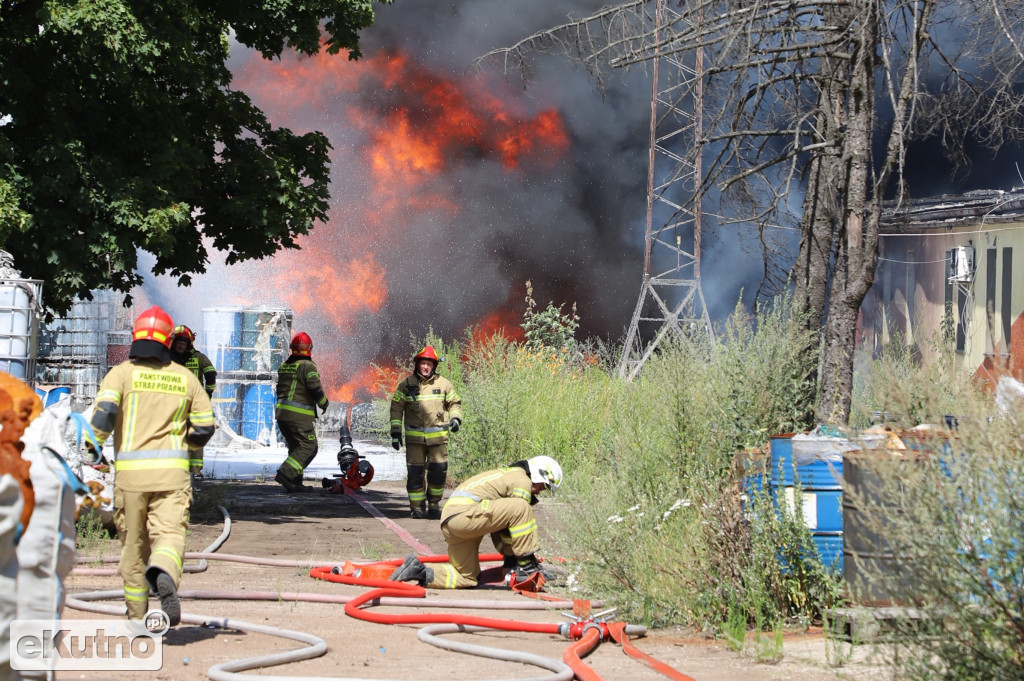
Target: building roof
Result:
[949, 211]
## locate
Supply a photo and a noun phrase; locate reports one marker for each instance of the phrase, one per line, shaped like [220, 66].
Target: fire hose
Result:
[382, 592]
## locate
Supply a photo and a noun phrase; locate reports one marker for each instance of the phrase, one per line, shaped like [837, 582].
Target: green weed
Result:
[734, 629]
[91, 536]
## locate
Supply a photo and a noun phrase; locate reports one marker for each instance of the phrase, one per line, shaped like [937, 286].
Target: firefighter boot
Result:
[168, 595]
[527, 575]
[417, 512]
[412, 570]
[290, 486]
[434, 510]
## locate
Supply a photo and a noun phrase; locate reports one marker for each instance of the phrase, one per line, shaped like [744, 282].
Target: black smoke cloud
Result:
[574, 226]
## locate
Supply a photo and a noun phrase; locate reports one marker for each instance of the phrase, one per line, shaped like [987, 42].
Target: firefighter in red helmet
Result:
[299, 393]
[431, 409]
[156, 410]
[183, 351]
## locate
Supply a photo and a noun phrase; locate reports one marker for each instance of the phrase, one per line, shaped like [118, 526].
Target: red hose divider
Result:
[572, 655]
[618, 634]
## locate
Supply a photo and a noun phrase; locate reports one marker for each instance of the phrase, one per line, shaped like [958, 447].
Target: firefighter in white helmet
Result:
[498, 503]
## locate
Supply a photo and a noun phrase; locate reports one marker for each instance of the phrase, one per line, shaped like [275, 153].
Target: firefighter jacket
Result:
[156, 412]
[428, 405]
[512, 482]
[299, 392]
[200, 366]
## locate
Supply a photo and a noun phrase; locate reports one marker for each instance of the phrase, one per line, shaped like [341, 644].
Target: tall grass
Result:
[653, 516]
[659, 516]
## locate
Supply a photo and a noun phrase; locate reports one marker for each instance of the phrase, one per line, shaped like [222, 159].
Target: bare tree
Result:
[816, 101]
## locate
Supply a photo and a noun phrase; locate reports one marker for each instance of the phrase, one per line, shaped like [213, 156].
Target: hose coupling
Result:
[578, 630]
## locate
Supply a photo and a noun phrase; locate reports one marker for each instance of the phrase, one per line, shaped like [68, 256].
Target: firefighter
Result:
[431, 409]
[299, 393]
[498, 503]
[157, 410]
[183, 352]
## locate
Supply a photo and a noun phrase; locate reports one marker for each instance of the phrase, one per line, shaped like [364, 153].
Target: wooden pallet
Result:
[864, 624]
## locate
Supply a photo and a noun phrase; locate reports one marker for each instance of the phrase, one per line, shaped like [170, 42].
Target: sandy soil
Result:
[328, 529]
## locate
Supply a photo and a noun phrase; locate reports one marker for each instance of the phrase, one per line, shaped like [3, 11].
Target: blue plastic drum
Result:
[258, 413]
[817, 487]
[222, 337]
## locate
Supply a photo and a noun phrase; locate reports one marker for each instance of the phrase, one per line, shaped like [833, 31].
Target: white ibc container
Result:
[81, 335]
[17, 327]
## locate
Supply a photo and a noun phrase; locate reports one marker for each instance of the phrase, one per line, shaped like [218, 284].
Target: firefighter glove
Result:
[412, 570]
[455, 424]
[396, 439]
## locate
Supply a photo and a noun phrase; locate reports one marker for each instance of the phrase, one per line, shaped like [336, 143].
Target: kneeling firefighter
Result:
[498, 503]
[430, 408]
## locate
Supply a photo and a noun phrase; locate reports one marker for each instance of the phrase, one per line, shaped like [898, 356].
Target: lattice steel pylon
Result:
[671, 300]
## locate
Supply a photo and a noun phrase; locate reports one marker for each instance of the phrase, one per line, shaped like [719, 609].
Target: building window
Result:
[909, 293]
[948, 314]
[1005, 310]
[991, 258]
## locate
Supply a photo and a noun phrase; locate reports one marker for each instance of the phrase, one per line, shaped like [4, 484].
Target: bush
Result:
[951, 513]
[653, 518]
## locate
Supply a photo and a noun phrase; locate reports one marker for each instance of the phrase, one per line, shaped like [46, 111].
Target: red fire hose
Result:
[587, 633]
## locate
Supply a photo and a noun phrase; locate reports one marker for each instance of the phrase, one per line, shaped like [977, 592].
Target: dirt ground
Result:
[327, 529]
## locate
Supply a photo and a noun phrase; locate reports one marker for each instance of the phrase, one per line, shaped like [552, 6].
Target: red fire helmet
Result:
[302, 344]
[182, 331]
[154, 324]
[426, 353]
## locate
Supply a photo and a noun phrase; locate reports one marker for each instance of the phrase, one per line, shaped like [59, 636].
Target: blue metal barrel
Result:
[221, 337]
[258, 412]
[820, 496]
[228, 403]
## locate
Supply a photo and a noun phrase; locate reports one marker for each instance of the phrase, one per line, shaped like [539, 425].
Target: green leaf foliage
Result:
[119, 131]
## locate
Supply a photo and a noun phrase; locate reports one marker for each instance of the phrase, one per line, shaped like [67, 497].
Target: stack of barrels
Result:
[246, 346]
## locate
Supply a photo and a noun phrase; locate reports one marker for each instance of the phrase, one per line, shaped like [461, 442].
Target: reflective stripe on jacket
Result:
[298, 389]
[203, 369]
[426, 406]
[155, 412]
[501, 483]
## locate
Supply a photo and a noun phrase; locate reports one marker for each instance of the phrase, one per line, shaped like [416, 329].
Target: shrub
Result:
[951, 517]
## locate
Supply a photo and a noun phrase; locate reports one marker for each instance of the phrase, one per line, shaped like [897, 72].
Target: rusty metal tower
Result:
[671, 300]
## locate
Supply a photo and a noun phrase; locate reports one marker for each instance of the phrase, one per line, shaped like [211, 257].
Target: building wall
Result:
[914, 301]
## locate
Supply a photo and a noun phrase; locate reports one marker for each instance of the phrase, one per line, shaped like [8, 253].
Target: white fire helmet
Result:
[545, 470]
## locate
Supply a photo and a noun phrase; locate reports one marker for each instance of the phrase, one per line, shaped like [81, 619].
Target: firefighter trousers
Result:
[195, 460]
[300, 436]
[510, 519]
[152, 527]
[429, 464]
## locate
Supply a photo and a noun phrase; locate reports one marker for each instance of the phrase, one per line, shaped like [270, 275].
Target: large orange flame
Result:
[503, 322]
[409, 126]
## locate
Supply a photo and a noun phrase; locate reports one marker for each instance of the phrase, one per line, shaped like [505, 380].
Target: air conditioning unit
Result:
[962, 266]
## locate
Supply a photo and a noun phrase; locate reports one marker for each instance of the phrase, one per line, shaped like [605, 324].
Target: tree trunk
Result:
[812, 271]
[856, 256]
